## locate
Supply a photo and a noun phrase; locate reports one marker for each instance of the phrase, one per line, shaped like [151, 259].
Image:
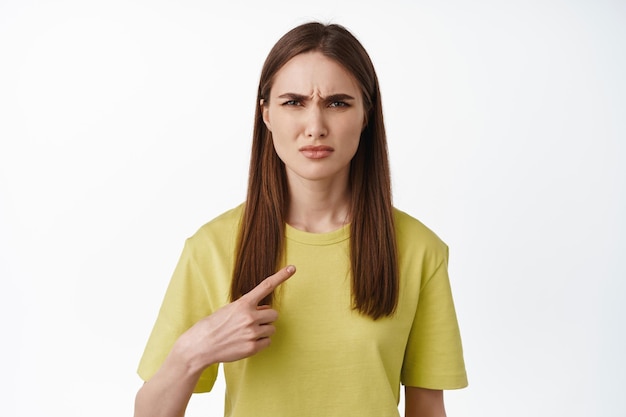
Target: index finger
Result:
[269, 284]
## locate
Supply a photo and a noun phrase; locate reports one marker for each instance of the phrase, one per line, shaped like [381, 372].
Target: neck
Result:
[318, 206]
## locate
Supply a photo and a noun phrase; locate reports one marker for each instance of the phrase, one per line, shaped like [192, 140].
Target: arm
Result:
[236, 331]
[422, 402]
[168, 392]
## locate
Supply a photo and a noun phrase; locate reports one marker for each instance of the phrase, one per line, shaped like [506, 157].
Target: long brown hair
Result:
[372, 234]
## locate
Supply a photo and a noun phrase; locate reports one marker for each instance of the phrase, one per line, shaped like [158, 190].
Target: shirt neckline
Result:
[309, 238]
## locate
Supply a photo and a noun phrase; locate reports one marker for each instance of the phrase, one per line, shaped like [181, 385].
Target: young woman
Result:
[370, 306]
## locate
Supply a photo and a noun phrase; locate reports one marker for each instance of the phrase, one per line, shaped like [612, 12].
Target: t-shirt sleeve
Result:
[434, 354]
[184, 304]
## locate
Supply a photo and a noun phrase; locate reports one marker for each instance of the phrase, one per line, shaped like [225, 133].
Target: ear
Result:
[265, 109]
[366, 117]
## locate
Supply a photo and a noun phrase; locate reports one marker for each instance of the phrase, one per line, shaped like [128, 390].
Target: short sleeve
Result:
[184, 304]
[434, 354]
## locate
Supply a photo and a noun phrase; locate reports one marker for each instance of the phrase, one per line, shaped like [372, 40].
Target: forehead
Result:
[314, 73]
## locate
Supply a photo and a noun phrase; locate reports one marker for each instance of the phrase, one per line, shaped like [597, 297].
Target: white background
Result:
[126, 125]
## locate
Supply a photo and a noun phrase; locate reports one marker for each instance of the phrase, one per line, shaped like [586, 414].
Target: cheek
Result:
[283, 127]
[353, 131]
[350, 143]
[280, 146]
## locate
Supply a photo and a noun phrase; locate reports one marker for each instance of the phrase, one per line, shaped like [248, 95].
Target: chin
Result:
[319, 174]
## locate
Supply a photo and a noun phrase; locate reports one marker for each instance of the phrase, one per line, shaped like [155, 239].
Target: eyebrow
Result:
[332, 97]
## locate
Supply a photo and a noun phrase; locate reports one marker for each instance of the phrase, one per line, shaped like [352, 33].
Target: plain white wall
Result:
[125, 125]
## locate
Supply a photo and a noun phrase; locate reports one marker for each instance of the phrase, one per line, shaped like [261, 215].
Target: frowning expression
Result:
[315, 113]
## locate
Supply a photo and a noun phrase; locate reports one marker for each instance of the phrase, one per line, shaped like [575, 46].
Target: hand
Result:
[237, 330]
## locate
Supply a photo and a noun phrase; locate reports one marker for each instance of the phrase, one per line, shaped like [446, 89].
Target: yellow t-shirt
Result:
[325, 358]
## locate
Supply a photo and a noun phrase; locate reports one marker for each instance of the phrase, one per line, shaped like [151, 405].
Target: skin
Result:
[236, 331]
[315, 102]
[422, 402]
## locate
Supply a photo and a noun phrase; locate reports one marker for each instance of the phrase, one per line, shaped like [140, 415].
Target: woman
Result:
[370, 306]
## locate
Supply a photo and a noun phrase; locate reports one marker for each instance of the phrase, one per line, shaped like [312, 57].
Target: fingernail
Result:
[291, 269]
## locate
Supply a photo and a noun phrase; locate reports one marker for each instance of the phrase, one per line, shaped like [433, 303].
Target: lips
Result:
[316, 152]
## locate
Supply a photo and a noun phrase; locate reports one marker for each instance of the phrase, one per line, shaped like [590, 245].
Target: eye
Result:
[292, 103]
[338, 104]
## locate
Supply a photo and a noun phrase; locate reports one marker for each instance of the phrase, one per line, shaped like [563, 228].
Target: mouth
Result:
[316, 152]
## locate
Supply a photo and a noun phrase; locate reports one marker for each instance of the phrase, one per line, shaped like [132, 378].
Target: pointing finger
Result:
[268, 285]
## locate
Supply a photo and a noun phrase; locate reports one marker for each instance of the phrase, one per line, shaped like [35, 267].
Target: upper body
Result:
[370, 305]
[325, 358]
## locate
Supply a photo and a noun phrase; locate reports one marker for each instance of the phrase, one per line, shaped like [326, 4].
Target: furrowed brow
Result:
[293, 96]
[339, 97]
[330, 98]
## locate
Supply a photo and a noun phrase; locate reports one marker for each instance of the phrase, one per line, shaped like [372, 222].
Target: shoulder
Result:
[222, 230]
[408, 227]
[415, 238]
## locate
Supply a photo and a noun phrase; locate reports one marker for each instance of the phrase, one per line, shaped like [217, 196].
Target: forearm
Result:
[168, 392]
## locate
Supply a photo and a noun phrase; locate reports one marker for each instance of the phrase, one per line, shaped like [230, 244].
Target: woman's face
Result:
[316, 115]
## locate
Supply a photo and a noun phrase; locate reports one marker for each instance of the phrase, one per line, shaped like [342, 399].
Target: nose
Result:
[316, 126]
